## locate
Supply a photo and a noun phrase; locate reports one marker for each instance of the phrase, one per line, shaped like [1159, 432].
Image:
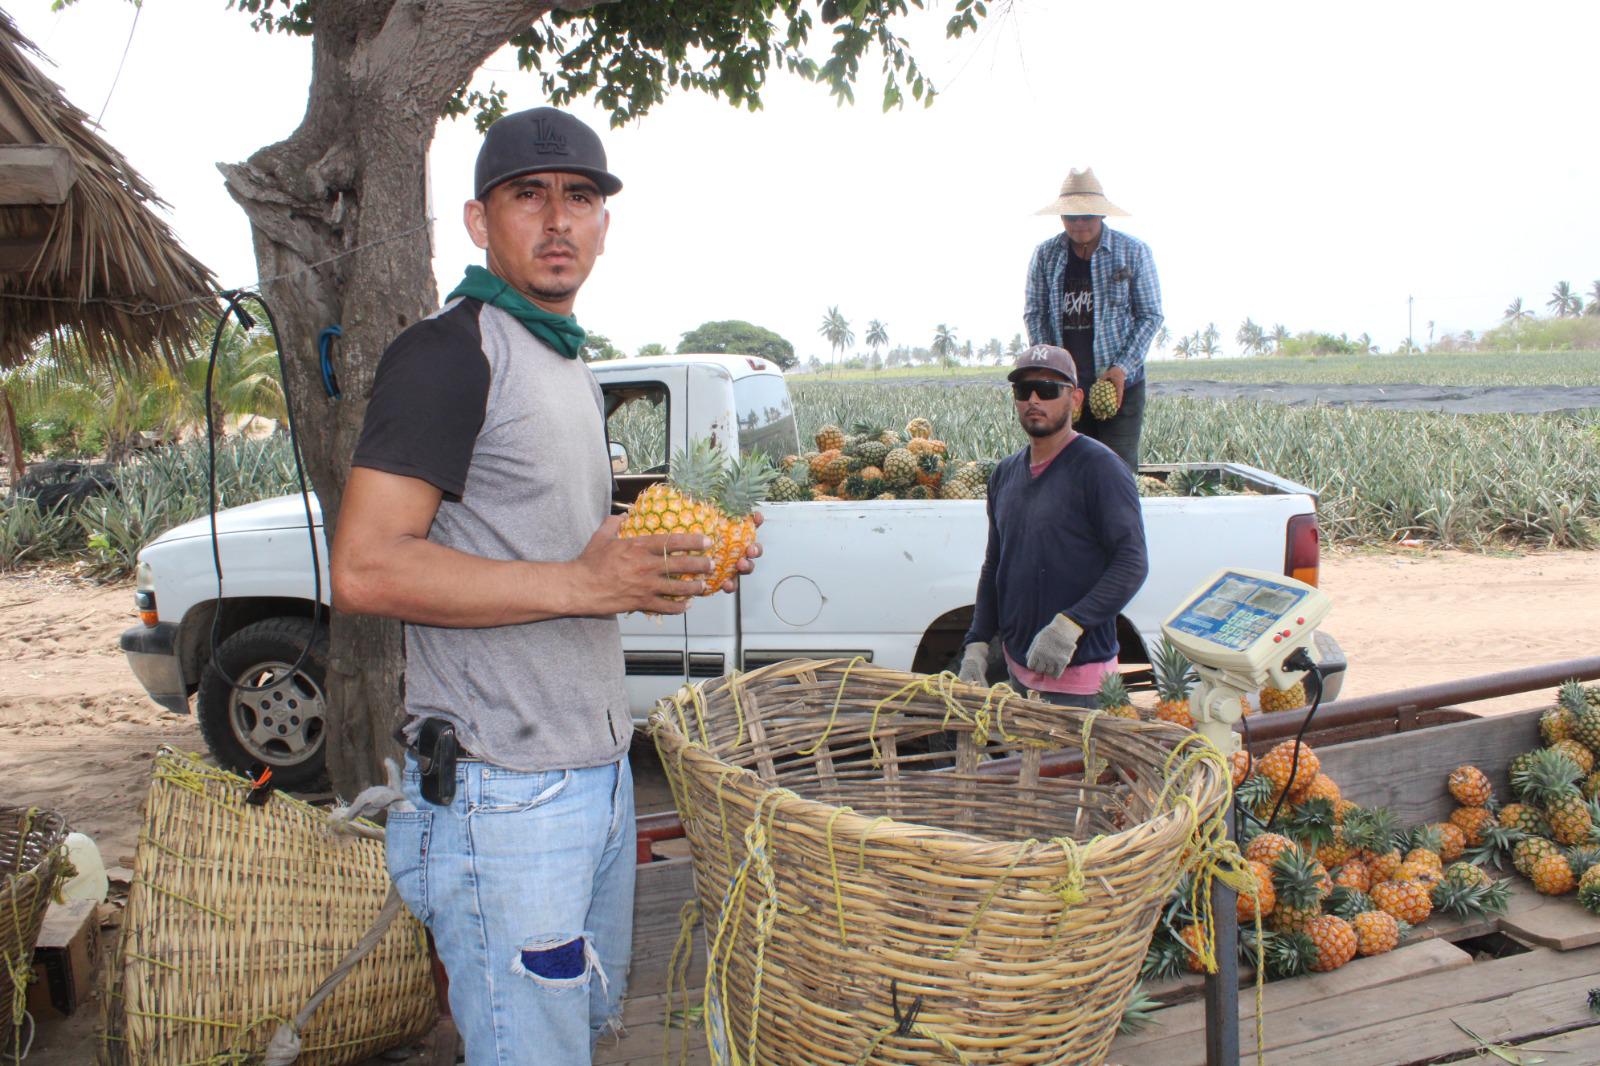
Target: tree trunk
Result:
[339, 216]
[13, 439]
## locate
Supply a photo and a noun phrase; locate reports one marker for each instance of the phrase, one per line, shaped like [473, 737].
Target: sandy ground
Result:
[77, 733]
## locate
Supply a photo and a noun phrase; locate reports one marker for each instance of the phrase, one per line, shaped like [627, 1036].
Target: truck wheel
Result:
[282, 726]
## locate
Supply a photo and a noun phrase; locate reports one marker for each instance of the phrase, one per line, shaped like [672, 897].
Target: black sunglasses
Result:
[1045, 390]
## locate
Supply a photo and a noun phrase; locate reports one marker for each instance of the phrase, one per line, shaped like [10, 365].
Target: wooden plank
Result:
[660, 891]
[1406, 772]
[645, 1029]
[1469, 992]
[1187, 1021]
[1575, 1045]
[1428, 1037]
[35, 173]
[1549, 921]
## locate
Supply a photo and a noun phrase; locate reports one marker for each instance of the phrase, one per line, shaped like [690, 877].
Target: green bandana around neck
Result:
[560, 332]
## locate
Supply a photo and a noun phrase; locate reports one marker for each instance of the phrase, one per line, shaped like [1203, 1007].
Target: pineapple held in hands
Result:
[704, 494]
[1102, 399]
[745, 485]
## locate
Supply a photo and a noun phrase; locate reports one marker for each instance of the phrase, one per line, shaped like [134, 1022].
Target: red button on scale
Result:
[1277, 640]
[1299, 621]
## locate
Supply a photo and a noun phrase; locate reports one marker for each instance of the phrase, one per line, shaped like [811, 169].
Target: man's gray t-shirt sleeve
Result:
[428, 402]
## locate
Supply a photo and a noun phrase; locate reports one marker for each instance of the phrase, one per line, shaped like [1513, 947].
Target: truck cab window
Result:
[766, 416]
[636, 419]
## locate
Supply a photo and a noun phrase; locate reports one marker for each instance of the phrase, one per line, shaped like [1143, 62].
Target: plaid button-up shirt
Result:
[1127, 299]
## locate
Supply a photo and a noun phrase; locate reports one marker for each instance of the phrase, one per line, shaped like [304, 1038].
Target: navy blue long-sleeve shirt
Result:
[1070, 541]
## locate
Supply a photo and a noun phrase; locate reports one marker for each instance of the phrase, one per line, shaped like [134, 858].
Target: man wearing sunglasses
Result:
[1066, 545]
[1094, 292]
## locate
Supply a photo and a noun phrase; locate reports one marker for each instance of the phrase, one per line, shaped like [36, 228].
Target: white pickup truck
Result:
[891, 581]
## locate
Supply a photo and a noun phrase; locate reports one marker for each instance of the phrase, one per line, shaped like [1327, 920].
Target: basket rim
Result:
[815, 813]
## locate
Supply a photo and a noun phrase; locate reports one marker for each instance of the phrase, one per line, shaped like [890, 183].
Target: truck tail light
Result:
[1303, 554]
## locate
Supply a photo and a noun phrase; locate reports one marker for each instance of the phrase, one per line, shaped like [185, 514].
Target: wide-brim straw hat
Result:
[1081, 194]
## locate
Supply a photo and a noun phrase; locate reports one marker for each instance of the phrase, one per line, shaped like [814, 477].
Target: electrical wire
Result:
[138, 9]
[1294, 762]
[234, 308]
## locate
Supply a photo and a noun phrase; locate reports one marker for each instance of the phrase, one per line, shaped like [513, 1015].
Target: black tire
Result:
[283, 726]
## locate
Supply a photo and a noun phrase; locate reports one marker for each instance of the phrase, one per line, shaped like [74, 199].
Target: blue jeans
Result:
[526, 882]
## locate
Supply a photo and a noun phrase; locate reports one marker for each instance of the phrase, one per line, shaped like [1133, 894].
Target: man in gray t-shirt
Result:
[477, 512]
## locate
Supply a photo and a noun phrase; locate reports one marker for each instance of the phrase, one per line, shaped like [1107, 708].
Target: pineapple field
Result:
[1461, 481]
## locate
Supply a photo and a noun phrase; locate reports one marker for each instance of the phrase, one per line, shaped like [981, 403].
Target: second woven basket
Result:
[885, 876]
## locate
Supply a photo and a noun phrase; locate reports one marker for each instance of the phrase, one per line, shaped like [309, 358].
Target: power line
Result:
[138, 9]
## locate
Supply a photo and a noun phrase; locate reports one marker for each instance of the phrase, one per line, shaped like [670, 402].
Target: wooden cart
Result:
[1520, 981]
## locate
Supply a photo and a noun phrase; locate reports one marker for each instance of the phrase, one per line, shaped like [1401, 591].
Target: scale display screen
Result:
[1237, 610]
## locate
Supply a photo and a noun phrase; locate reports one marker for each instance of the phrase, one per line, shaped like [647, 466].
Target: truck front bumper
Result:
[152, 653]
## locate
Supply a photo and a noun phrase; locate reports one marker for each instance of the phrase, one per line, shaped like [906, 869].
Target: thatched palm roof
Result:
[77, 227]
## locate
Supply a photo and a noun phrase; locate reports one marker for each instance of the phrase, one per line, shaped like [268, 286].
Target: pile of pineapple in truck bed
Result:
[875, 463]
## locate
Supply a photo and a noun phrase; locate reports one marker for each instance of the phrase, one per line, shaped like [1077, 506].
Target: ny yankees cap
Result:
[1044, 357]
[541, 139]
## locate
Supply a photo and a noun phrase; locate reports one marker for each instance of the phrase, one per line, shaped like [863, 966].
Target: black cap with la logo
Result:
[541, 139]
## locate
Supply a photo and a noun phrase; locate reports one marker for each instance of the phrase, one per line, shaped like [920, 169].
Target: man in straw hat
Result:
[1066, 548]
[1093, 291]
[477, 513]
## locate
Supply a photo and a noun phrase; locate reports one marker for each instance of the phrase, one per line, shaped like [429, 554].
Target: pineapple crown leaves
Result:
[1426, 837]
[1113, 691]
[1347, 902]
[745, 484]
[1289, 955]
[1298, 879]
[1175, 674]
[1312, 822]
[1571, 696]
[1253, 793]
[1547, 775]
[1139, 1010]
[1581, 857]
[697, 470]
[1498, 841]
[1371, 829]
[1465, 899]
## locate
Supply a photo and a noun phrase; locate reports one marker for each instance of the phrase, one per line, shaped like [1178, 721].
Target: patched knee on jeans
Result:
[564, 959]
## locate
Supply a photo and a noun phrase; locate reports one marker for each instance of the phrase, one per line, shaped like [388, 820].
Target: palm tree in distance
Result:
[1279, 337]
[1515, 312]
[1594, 299]
[1209, 339]
[835, 329]
[877, 337]
[1563, 301]
[1250, 337]
[1365, 342]
[944, 344]
[1185, 347]
[1163, 338]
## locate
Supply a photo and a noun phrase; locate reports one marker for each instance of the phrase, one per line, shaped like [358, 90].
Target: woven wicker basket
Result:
[870, 896]
[235, 914]
[32, 858]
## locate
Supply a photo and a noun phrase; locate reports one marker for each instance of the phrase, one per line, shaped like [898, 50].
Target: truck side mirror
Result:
[619, 458]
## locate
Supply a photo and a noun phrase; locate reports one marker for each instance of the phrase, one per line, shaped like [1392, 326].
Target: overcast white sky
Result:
[1312, 165]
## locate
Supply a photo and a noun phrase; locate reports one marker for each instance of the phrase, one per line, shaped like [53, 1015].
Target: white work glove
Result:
[975, 664]
[1052, 649]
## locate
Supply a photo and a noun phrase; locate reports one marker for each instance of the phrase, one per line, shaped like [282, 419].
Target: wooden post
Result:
[1222, 987]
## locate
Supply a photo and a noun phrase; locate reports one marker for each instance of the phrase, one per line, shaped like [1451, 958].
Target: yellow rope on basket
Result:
[833, 715]
[833, 866]
[988, 898]
[678, 976]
